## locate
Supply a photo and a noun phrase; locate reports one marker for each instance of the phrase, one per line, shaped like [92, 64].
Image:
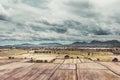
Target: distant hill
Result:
[24, 44]
[50, 44]
[42, 44]
[95, 43]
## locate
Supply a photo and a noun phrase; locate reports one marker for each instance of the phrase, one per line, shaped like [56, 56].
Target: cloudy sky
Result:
[59, 20]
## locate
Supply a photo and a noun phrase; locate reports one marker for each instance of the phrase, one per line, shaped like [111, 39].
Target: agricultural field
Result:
[24, 65]
[11, 52]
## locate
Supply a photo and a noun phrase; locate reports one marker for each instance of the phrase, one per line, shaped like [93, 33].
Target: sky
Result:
[64, 21]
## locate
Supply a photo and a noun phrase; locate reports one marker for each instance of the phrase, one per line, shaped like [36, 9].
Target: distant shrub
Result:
[45, 61]
[36, 51]
[98, 59]
[66, 56]
[89, 58]
[39, 61]
[49, 51]
[88, 54]
[31, 60]
[52, 60]
[10, 57]
[77, 57]
[115, 60]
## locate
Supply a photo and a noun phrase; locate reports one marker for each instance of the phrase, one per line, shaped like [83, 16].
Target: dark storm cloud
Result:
[82, 28]
[99, 31]
[36, 28]
[65, 24]
[59, 30]
[71, 23]
[53, 20]
[3, 18]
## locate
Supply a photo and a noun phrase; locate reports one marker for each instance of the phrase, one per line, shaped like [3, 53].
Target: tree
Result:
[115, 60]
[66, 56]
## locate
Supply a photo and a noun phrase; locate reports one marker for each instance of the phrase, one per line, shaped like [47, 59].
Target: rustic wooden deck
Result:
[60, 69]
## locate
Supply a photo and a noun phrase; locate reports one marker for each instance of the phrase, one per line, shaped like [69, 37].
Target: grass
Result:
[101, 58]
[92, 54]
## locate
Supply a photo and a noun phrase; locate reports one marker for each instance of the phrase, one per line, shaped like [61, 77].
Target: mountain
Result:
[50, 44]
[24, 45]
[36, 45]
[78, 44]
[95, 43]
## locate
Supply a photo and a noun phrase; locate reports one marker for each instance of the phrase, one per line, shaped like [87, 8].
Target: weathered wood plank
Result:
[96, 75]
[64, 75]
[90, 66]
[67, 66]
[112, 66]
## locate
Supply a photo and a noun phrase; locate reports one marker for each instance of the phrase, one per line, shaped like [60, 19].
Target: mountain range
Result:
[94, 43]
